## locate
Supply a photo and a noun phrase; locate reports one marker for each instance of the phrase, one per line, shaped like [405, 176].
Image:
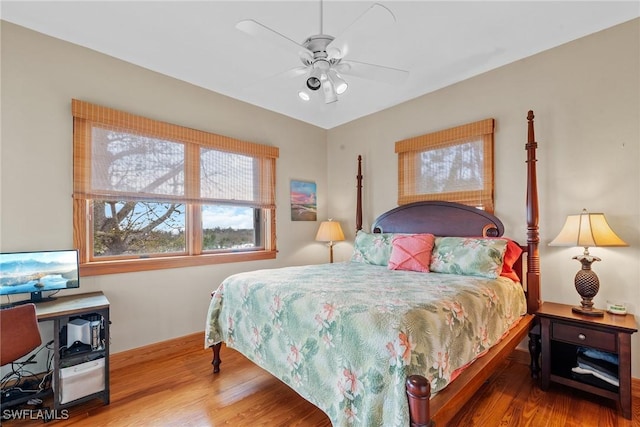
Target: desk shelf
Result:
[61, 311]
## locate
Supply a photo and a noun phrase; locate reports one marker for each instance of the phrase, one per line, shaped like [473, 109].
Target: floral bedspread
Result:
[345, 336]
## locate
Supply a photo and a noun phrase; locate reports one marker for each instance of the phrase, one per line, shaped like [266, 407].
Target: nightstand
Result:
[564, 332]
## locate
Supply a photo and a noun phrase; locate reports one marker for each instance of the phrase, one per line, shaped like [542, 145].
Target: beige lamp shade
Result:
[587, 230]
[330, 231]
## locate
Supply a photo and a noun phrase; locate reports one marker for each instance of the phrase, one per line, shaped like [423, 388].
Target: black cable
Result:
[19, 374]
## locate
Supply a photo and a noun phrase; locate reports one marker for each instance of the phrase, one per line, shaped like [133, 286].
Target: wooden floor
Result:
[176, 387]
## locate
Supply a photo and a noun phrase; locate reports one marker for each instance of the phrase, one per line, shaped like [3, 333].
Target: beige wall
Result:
[40, 76]
[585, 95]
[586, 98]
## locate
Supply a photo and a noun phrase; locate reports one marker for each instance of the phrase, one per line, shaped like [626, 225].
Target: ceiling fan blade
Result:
[295, 72]
[372, 72]
[374, 18]
[256, 29]
[287, 74]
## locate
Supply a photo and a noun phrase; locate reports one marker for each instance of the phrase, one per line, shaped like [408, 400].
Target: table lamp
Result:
[330, 231]
[587, 230]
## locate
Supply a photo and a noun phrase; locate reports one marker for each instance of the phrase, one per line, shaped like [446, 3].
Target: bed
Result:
[407, 330]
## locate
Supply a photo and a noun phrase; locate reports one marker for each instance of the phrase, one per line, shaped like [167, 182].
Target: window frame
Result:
[86, 116]
[409, 151]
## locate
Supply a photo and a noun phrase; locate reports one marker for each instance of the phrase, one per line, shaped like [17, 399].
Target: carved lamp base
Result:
[587, 284]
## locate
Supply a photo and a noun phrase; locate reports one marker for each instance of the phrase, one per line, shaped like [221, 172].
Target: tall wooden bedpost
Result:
[533, 240]
[359, 196]
[533, 236]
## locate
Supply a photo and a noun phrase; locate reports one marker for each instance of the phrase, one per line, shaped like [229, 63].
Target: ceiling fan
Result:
[323, 56]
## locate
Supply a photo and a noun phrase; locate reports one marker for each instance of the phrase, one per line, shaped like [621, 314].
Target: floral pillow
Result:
[411, 252]
[468, 256]
[372, 248]
[511, 255]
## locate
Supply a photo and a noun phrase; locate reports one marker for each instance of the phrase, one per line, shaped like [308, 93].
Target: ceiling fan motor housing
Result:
[318, 44]
[319, 63]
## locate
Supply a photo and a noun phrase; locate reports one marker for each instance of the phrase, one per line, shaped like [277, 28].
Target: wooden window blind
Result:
[123, 157]
[453, 165]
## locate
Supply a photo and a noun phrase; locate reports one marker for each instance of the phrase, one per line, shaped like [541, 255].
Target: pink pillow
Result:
[411, 252]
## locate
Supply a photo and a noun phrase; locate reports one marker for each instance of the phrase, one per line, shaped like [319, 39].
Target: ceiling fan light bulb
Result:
[313, 83]
[339, 83]
[303, 92]
[304, 95]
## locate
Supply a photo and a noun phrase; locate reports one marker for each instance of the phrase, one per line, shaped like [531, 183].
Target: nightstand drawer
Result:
[584, 336]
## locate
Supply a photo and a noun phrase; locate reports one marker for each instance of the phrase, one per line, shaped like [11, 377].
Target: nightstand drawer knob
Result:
[582, 337]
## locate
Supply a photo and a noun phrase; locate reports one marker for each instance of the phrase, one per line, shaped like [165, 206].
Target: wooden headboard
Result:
[443, 219]
[440, 219]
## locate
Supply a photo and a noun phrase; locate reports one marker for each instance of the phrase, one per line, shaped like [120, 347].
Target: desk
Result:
[94, 305]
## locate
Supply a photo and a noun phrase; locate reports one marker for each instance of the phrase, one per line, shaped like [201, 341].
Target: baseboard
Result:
[156, 350]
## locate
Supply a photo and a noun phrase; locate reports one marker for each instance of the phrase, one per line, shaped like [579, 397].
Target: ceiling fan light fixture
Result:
[313, 81]
[329, 90]
[339, 83]
[322, 54]
[304, 94]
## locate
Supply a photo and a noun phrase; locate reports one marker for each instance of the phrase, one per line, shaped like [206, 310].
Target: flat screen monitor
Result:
[37, 272]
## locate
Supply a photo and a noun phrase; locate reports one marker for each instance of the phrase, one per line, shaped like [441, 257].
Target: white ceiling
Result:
[438, 42]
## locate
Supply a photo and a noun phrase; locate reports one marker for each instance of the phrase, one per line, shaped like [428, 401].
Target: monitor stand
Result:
[37, 297]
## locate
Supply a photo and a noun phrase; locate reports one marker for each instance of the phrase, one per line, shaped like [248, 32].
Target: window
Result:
[151, 195]
[454, 165]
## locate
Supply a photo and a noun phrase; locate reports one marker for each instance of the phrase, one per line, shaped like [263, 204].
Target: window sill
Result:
[145, 264]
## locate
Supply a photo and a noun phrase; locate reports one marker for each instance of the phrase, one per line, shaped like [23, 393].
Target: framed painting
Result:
[303, 201]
